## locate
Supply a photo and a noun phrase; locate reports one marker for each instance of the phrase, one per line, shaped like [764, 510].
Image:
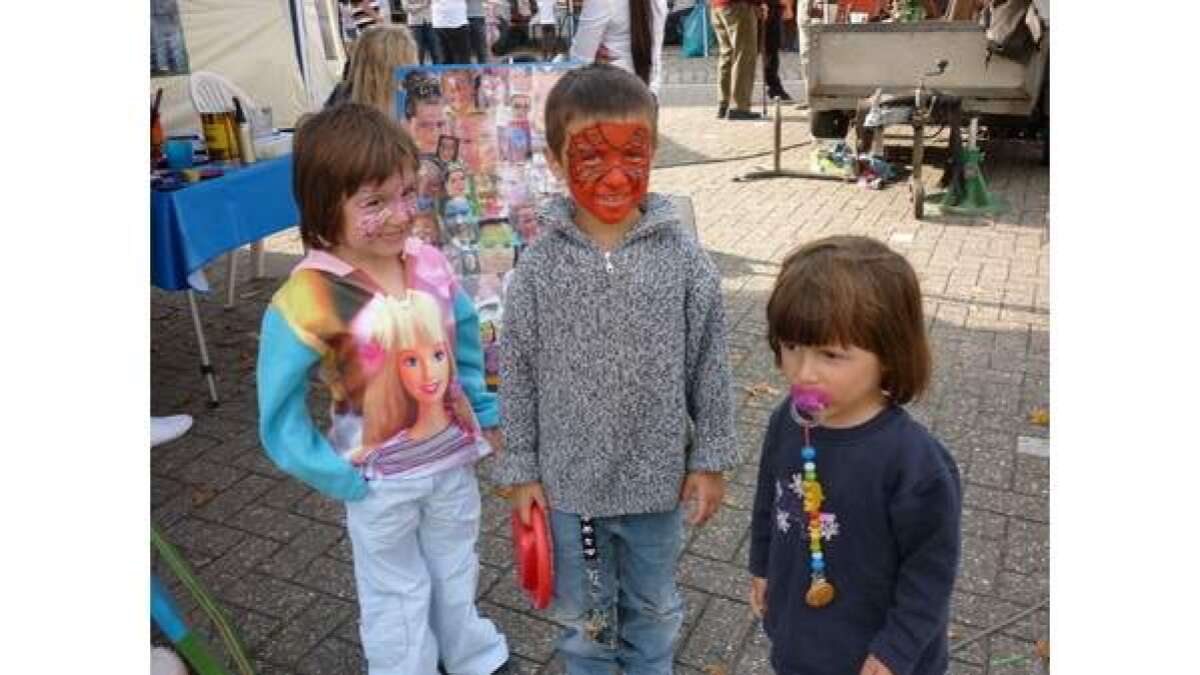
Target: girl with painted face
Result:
[394, 338]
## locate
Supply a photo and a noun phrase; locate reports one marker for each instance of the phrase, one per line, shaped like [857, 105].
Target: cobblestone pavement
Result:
[276, 554]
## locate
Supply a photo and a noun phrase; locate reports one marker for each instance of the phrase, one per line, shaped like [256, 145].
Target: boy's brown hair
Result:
[334, 153]
[850, 290]
[596, 92]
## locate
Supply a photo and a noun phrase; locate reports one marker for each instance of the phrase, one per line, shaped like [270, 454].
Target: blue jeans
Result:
[621, 609]
[427, 43]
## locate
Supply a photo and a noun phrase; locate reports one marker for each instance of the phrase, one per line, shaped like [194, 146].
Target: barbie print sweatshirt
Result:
[405, 374]
[614, 374]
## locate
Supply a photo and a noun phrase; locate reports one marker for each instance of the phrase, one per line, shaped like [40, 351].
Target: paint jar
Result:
[220, 136]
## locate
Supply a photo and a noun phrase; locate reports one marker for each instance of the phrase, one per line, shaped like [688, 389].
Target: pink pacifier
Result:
[806, 404]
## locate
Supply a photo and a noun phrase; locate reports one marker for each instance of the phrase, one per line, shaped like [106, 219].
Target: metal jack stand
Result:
[778, 171]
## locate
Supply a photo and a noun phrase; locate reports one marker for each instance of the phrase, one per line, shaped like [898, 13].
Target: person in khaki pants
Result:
[736, 25]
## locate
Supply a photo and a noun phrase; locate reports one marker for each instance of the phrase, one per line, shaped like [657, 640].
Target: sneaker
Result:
[722, 108]
[743, 115]
[781, 95]
[163, 661]
[167, 429]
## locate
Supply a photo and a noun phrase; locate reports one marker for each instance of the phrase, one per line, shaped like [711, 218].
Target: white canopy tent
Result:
[290, 65]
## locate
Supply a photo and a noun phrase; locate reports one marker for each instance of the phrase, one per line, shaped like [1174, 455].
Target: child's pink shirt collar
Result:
[325, 261]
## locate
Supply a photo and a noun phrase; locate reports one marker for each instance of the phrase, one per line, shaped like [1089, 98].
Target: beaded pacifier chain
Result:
[805, 404]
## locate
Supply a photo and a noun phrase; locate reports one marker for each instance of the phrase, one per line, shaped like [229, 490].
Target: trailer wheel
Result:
[829, 124]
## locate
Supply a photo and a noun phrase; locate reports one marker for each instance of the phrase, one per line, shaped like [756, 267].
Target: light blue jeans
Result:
[621, 609]
[416, 571]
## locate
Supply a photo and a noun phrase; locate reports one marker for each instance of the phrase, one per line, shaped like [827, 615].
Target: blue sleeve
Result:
[288, 433]
[927, 533]
[468, 357]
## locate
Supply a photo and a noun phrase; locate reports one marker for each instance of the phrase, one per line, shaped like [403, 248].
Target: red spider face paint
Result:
[608, 168]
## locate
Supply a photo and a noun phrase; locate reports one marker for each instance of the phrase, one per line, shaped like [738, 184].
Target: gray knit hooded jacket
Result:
[614, 370]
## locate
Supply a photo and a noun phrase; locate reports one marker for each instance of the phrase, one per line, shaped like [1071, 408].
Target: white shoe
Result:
[167, 429]
[163, 661]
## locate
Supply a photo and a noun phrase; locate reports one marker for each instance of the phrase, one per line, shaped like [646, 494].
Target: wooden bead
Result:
[819, 594]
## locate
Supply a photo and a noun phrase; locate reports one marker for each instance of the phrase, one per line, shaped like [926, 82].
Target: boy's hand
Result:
[523, 496]
[874, 666]
[494, 438]
[705, 489]
[758, 596]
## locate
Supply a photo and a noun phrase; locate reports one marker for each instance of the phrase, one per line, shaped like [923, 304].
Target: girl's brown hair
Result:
[377, 54]
[334, 153]
[850, 290]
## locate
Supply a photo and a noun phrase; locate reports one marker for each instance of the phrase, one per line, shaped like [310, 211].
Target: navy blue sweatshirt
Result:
[890, 525]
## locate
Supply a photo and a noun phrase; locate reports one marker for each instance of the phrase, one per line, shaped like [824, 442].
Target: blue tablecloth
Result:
[191, 226]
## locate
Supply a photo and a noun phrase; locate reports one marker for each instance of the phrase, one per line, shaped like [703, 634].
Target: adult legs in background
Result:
[772, 39]
[479, 48]
[724, 58]
[456, 44]
[427, 44]
[740, 27]
[549, 40]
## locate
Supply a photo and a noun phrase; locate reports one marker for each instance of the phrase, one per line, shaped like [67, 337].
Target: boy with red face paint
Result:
[617, 391]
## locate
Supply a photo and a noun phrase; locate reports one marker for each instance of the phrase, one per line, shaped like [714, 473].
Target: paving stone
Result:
[984, 524]
[271, 596]
[240, 559]
[719, 537]
[293, 557]
[202, 541]
[756, 656]
[1028, 547]
[227, 503]
[329, 576]
[713, 576]
[285, 494]
[718, 635]
[979, 565]
[269, 522]
[527, 636]
[331, 656]
[319, 507]
[308, 628]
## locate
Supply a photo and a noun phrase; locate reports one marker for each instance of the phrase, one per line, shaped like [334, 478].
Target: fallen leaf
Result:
[202, 495]
[1040, 417]
[716, 669]
[760, 389]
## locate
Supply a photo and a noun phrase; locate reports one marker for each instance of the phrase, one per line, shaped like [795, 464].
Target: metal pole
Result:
[205, 365]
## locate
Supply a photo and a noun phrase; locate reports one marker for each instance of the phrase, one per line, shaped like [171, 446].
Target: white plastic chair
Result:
[212, 93]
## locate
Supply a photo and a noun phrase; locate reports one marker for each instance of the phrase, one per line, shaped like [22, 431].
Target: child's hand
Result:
[874, 666]
[705, 489]
[494, 438]
[758, 596]
[522, 498]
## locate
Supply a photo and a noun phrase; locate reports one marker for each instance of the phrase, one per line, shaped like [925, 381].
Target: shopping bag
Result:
[696, 28]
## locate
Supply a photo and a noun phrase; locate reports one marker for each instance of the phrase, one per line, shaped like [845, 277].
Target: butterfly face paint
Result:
[608, 168]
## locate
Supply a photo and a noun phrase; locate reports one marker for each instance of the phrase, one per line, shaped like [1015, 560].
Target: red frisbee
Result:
[532, 552]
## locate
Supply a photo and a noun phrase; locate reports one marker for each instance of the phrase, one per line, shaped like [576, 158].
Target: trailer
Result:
[850, 62]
